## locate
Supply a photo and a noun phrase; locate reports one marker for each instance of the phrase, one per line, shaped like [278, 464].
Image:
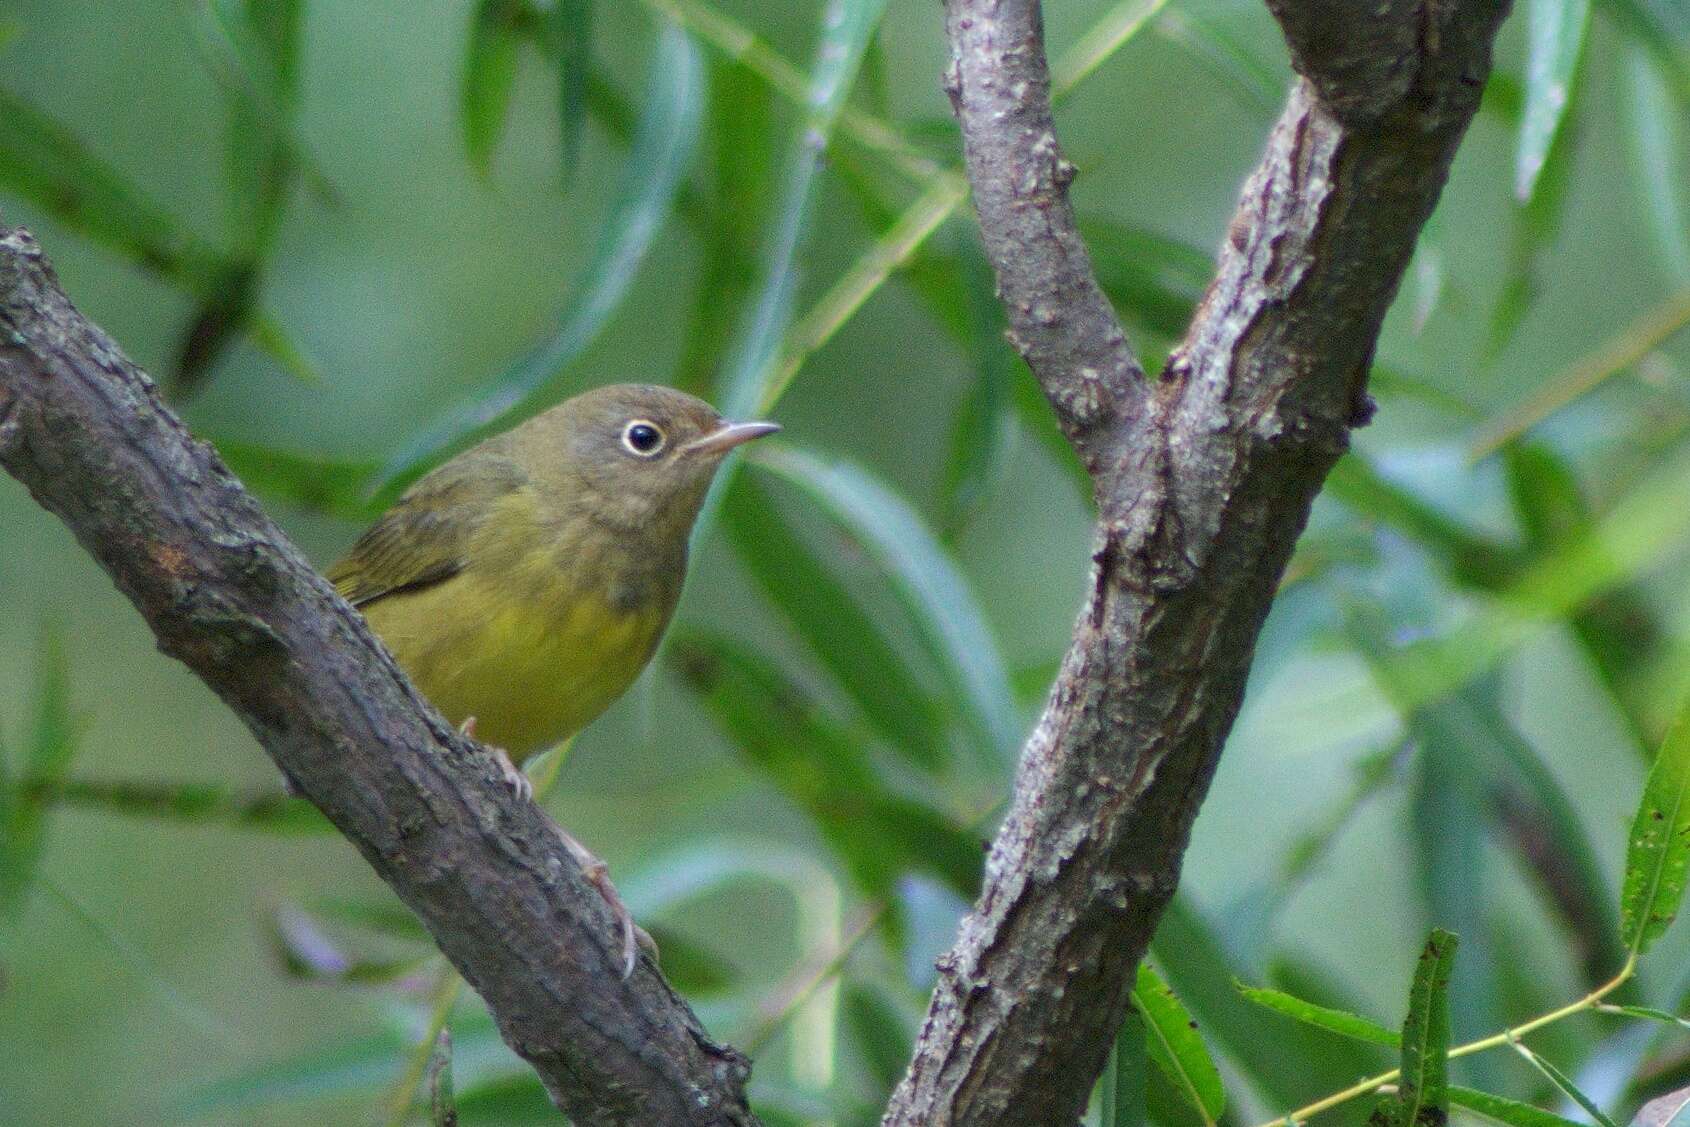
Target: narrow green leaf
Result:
[43, 162]
[489, 75]
[880, 1032]
[1282, 1061]
[273, 338]
[1658, 852]
[1467, 556]
[1561, 1081]
[387, 917]
[1257, 85]
[1117, 27]
[182, 802]
[1662, 28]
[345, 1067]
[1545, 494]
[818, 765]
[1395, 384]
[1153, 281]
[1620, 630]
[512, 1098]
[1536, 226]
[1555, 32]
[1341, 1022]
[251, 48]
[1657, 147]
[1129, 1062]
[569, 37]
[670, 885]
[1457, 884]
[1542, 825]
[1647, 521]
[925, 578]
[617, 115]
[1500, 1109]
[48, 745]
[876, 85]
[1422, 1096]
[803, 588]
[980, 437]
[846, 28]
[690, 966]
[356, 1065]
[1173, 1042]
[53, 732]
[278, 27]
[1646, 1012]
[651, 176]
[1474, 761]
[222, 317]
[442, 1105]
[259, 150]
[741, 139]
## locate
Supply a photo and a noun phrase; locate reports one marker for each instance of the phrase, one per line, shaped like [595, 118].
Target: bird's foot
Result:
[519, 783]
[634, 937]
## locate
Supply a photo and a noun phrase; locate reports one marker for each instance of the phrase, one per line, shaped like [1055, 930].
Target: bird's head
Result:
[639, 456]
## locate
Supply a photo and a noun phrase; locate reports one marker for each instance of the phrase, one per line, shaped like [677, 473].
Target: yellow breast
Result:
[533, 669]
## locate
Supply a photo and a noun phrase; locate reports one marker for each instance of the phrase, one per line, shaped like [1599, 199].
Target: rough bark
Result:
[229, 596]
[1204, 480]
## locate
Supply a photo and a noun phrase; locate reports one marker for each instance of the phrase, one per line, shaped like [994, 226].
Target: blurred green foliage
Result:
[351, 237]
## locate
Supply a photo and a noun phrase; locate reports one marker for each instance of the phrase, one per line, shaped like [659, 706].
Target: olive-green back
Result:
[425, 537]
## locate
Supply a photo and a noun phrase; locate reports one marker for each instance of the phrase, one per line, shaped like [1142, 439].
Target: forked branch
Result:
[1203, 479]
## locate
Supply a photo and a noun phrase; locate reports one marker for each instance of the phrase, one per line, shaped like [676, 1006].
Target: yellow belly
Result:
[531, 672]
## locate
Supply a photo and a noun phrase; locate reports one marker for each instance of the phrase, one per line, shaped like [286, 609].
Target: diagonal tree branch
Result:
[1203, 480]
[226, 594]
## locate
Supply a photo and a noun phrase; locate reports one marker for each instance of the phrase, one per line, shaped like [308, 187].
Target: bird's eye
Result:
[643, 437]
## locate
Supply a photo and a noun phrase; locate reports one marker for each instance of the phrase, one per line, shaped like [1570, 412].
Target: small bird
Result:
[524, 584]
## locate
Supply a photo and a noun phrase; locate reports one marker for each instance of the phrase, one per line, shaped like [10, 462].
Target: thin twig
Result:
[1589, 372]
[1373, 1083]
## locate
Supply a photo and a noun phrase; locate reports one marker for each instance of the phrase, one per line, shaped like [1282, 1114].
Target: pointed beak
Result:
[729, 435]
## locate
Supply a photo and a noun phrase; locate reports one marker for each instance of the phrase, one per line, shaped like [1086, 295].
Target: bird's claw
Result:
[521, 785]
[634, 937]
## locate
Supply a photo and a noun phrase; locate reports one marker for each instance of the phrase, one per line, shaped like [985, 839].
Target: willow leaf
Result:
[1658, 852]
[803, 587]
[1500, 1109]
[1341, 1022]
[1176, 1046]
[489, 75]
[934, 591]
[651, 176]
[846, 29]
[1555, 31]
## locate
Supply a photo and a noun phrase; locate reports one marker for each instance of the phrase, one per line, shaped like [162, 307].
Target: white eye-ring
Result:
[643, 438]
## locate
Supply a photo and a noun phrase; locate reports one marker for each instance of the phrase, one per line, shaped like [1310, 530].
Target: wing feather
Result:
[425, 537]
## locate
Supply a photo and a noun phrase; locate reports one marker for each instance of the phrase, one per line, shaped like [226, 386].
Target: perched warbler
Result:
[524, 584]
